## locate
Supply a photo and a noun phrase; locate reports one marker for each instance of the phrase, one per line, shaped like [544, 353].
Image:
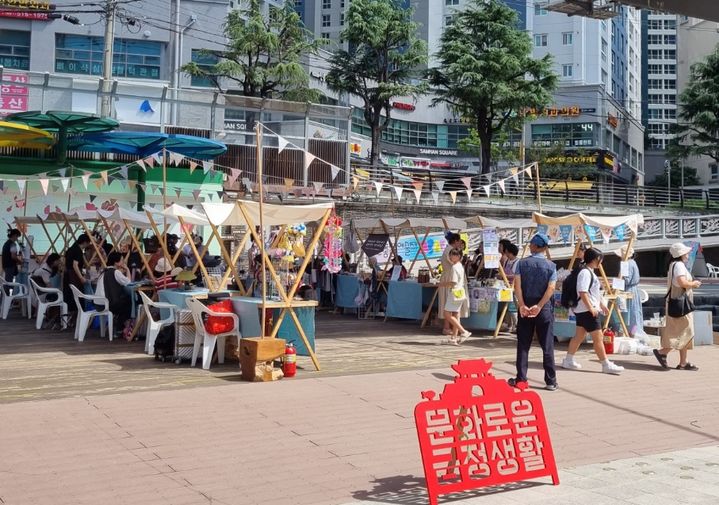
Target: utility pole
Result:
[106, 103]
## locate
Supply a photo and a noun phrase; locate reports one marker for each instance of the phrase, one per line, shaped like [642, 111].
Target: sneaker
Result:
[551, 387]
[514, 382]
[464, 336]
[450, 341]
[612, 368]
[570, 364]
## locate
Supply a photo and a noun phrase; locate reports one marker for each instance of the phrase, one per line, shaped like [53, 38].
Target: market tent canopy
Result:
[272, 215]
[501, 224]
[133, 218]
[632, 221]
[176, 212]
[24, 136]
[570, 219]
[53, 217]
[444, 223]
[146, 143]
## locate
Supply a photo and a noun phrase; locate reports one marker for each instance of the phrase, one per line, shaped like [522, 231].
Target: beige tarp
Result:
[500, 224]
[632, 221]
[444, 223]
[174, 212]
[133, 218]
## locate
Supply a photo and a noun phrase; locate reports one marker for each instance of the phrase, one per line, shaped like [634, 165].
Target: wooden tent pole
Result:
[261, 244]
[539, 190]
[136, 244]
[161, 238]
[201, 265]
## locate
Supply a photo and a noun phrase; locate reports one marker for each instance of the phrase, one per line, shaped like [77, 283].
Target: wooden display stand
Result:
[256, 350]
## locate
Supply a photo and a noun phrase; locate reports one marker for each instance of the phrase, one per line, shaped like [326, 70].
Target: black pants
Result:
[542, 325]
[9, 276]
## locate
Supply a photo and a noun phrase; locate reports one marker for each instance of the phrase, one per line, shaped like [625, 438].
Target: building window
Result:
[539, 8]
[654, 24]
[205, 62]
[567, 70]
[451, 2]
[670, 24]
[654, 84]
[670, 39]
[670, 99]
[325, 35]
[80, 54]
[670, 113]
[655, 98]
[654, 39]
[670, 69]
[670, 83]
[565, 135]
[540, 40]
[448, 20]
[567, 39]
[654, 114]
[342, 19]
[326, 20]
[654, 69]
[326, 4]
[670, 54]
[654, 54]
[15, 49]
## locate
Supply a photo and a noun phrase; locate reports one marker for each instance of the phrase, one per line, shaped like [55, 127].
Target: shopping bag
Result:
[219, 324]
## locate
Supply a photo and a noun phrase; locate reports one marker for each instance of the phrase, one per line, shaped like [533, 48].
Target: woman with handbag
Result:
[678, 331]
[456, 297]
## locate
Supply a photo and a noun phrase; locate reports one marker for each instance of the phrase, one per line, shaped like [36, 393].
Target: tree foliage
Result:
[690, 178]
[486, 70]
[697, 131]
[381, 62]
[263, 53]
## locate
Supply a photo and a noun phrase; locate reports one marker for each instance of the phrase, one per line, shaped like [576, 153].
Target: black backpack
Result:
[570, 297]
[165, 343]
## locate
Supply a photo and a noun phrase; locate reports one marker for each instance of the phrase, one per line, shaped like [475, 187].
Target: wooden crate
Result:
[256, 350]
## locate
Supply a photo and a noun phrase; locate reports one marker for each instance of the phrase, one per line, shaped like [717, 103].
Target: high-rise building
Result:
[659, 86]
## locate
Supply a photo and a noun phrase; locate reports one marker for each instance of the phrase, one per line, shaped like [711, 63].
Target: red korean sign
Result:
[481, 432]
[13, 95]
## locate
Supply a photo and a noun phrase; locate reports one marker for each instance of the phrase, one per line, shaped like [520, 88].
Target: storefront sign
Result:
[573, 159]
[403, 106]
[482, 432]
[26, 9]
[235, 125]
[612, 120]
[13, 96]
[355, 148]
[564, 111]
[439, 152]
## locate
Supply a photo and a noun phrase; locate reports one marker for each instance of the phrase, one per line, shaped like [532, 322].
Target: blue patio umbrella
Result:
[146, 143]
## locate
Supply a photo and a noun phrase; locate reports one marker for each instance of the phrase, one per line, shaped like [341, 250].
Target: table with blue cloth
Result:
[408, 299]
[348, 287]
[248, 310]
[482, 320]
[178, 298]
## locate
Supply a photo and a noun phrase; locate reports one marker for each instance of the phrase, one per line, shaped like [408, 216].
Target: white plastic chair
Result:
[40, 296]
[154, 327]
[713, 271]
[84, 318]
[207, 340]
[18, 292]
[643, 296]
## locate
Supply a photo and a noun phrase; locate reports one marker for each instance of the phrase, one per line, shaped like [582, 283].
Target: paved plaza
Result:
[99, 423]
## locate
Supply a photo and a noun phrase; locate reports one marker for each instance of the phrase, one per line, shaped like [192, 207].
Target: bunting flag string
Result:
[439, 185]
[141, 164]
[309, 158]
[335, 171]
[281, 143]
[469, 194]
[44, 184]
[193, 166]
[435, 197]
[487, 189]
[500, 183]
[378, 187]
[515, 176]
[157, 159]
[317, 186]
[85, 180]
[467, 181]
[234, 174]
[453, 196]
[398, 190]
[207, 166]
[417, 193]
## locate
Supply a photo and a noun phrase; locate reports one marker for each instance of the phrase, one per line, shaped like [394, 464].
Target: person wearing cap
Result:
[635, 324]
[534, 282]
[678, 332]
[165, 275]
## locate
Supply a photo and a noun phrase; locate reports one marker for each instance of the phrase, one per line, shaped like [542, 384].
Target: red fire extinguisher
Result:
[609, 341]
[289, 363]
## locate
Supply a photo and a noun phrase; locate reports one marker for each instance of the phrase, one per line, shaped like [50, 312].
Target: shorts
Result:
[587, 321]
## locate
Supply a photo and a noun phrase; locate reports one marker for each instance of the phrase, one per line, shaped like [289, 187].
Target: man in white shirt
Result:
[111, 285]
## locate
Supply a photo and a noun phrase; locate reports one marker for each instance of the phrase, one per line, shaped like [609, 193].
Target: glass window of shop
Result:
[15, 49]
[567, 135]
[205, 62]
[409, 133]
[80, 54]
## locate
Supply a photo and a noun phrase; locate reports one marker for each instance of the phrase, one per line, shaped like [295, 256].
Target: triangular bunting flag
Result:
[398, 190]
[123, 171]
[234, 174]
[193, 166]
[335, 171]
[157, 158]
[355, 182]
[309, 158]
[418, 185]
[528, 171]
[178, 192]
[377, 187]
[123, 183]
[220, 194]
[281, 144]
[487, 189]
[439, 185]
[92, 198]
[98, 183]
[469, 194]
[62, 172]
[417, 193]
[176, 159]
[453, 195]
[500, 183]
[149, 161]
[132, 184]
[85, 180]
[467, 182]
[103, 174]
[247, 184]
[513, 171]
[435, 197]
[21, 185]
[44, 183]
[64, 182]
[206, 166]
[196, 194]
[141, 164]
[317, 186]
[289, 182]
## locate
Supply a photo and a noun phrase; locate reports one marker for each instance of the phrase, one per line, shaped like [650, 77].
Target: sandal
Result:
[661, 358]
[688, 366]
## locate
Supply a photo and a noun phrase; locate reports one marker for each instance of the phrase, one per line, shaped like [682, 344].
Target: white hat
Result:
[678, 250]
[623, 250]
[164, 266]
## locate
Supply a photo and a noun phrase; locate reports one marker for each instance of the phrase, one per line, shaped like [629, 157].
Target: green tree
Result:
[697, 130]
[381, 63]
[690, 177]
[486, 71]
[263, 53]
[500, 150]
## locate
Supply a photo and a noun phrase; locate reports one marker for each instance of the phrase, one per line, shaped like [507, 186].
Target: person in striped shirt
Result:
[165, 275]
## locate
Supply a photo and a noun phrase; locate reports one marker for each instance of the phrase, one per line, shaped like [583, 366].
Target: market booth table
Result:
[410, 299]
[348, 288]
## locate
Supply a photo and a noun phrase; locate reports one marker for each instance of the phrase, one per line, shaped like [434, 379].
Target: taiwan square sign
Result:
[481, 432]
[13, 95]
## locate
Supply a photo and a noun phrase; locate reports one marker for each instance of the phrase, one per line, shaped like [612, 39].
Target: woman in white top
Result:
[454, 241]
[590, 305]
[678, 332]
[456, 297]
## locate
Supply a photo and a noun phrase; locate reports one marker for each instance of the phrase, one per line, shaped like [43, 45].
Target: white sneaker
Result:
[612, 368]
[570, 364]
[464, 336]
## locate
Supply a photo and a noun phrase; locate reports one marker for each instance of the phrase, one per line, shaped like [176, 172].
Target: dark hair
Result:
[14, 233]
[114, 257]
[82, 239]
[452, 237]
[583, 246]
[52, 258]
[592, 254]
[455, 252]
[464, 244]
[511, 249]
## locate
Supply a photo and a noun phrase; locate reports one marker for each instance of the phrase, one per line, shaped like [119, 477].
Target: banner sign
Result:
[490, 248]
[375, 244]
[482, 432]
[408, 247]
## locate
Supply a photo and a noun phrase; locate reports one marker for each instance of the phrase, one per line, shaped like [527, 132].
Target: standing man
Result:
[534, 284]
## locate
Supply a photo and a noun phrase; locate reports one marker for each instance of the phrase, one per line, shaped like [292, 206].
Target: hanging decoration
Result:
[332, 250]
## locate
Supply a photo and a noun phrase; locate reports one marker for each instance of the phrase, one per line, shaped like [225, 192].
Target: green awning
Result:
[71, 122]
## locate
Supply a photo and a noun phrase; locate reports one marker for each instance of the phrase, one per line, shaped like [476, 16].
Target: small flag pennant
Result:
[44, 184]
[281, 143]
[398, 190]
[453, 195]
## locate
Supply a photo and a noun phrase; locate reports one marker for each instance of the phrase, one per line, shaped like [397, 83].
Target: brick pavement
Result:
[331, 440]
